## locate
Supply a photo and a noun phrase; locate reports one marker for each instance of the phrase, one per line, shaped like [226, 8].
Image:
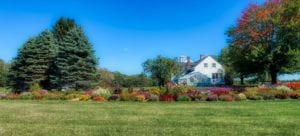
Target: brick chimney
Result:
[189, 62]
[202, 56]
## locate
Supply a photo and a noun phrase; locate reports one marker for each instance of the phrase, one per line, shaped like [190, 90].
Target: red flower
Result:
[221, 92]
[166, 97]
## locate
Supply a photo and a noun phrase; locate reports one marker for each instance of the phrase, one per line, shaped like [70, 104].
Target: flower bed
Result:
[175, 93]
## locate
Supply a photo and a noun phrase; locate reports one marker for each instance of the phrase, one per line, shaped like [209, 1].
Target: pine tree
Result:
[33, 60]
[62, 27]
[75, 62]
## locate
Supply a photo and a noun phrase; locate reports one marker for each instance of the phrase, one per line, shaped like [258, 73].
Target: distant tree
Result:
[106, 78]
[119, 79]
[3, 73]
[161, 69]
[32, 62]
[230, 73]
[266, 38]
[75, 62]
[139, 80]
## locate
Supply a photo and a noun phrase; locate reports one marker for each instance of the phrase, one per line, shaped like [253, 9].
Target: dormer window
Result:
[214, 65]
[205, 65]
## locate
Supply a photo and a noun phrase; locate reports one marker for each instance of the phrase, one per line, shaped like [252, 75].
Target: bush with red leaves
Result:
[166, 97]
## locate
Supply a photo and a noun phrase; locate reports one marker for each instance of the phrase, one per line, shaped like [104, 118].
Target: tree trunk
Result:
[273, 77]
[242, 80]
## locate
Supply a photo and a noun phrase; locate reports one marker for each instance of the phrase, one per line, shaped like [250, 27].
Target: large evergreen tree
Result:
[76, 63]
[62, 27]
[32, 62]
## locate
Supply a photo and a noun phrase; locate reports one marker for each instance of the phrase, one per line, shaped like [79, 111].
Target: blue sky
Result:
[125, 33]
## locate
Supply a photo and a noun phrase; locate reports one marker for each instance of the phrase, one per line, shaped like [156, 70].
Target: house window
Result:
[215, 76]
[214, 65]
[205, 65]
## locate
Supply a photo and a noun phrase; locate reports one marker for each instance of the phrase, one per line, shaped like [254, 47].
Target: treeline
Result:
[264, 43]
[117, 79]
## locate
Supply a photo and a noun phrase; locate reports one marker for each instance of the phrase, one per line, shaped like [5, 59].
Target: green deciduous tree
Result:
[161, 69]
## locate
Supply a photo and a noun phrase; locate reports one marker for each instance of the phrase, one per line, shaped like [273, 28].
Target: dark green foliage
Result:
[3, 73]
[55, 60]
[75, 62]
[161, 69]
[32, 63]
[62, 27]
[139, 80]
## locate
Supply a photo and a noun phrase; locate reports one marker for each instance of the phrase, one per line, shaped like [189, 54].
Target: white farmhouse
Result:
[204, 72]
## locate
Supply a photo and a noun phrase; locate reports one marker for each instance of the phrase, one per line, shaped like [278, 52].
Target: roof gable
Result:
[202, 60]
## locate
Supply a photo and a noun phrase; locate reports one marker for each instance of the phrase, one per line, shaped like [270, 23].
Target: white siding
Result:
[203, 74]
[208, 71]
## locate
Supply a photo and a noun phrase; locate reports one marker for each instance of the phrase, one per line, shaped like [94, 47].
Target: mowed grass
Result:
[60, 118]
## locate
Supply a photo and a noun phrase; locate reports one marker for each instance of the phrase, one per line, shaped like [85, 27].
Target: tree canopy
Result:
[33, 60]
[266, 38]
[57, 59]
[161, 69]
[75, 61]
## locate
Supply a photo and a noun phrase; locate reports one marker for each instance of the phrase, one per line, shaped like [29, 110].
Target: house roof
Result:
[199, 61]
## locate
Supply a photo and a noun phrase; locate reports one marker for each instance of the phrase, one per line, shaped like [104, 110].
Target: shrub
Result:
[267, 93]
[55, 96]
[212, 97]
[144, 93]
[127, 96]
[194, 95]
[166, 97]
[70, 96]
[89, 93]
[153, 97]
[4, 90]
[11, 96]
[227, 98]
[113, 97]
[26, 96]
[294, 95]
[283, 92]
[183, 98]
[99, 99]
[220, 92]
[37, 95]
[154, 90]
[102, 92]
[283, 89]
[2, 96]
[294, 85]
[179, 90]
[282, 96]
[251, 94]
[84, 97]
[241, 97]
[35, 87]
[140, 98]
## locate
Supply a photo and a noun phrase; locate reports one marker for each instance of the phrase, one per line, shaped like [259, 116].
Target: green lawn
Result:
[58, 118]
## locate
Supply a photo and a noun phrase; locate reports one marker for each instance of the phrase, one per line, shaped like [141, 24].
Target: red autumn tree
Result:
[267, 36]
